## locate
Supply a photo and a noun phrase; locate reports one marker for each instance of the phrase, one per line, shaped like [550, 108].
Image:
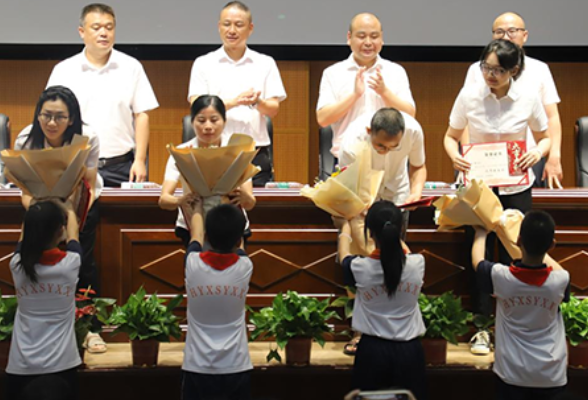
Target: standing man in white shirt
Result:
[511, 26]
[114, 95]
[351, 91]
[248, 82]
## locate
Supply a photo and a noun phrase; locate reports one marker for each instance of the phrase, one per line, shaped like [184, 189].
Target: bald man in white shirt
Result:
[511, 26]
[351, 91]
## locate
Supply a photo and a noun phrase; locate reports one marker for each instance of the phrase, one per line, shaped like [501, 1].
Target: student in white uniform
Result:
[248, 82]
[537, 76]
[57, 119]
[531, 355]
[216, 357]
[208, 119]
[45, 277]
[386, 309]
[498, 110]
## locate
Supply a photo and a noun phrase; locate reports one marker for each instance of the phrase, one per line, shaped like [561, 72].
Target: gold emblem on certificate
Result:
[496, 163]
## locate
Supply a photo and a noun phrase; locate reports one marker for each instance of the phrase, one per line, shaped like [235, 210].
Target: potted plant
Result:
[88, 308]
[147, 322]
[575, 316]
[445, 320]
[8, 306]
[293, 321]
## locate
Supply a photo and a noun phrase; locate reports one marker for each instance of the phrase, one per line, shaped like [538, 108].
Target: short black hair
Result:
[205, 101]
[100, 8]
[240, 6]
[537, 232]
[510, 55]
[389, 120]
[224, 227]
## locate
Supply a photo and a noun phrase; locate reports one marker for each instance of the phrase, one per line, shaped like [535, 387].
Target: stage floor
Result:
[172, 354]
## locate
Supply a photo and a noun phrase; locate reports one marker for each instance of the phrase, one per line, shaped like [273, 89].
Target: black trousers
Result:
[264, 161]
[384, 364]
[56, 386]
[89, 274]
[504, 391]
[115, 174]
[482, 302]
[216, 387]
[538, 171]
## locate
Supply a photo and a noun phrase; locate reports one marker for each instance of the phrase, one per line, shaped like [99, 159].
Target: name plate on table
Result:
[496, 163]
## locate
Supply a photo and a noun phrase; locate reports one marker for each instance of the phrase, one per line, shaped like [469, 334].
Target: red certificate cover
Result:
[496, 163]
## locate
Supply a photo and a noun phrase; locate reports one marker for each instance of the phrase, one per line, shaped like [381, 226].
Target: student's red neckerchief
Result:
[531, 276]
[219, 261]
[52, 257]
[376, 254]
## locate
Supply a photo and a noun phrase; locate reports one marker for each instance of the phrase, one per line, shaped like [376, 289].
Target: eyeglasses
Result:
[496, 71]
[511, 32]
[58, 118]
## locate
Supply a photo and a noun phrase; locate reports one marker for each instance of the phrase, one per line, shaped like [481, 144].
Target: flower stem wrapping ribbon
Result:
[349, 193]
[477, 205]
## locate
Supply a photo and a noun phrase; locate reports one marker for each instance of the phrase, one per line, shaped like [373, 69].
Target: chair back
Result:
[326, 158]
[5, 142]
[582, 151]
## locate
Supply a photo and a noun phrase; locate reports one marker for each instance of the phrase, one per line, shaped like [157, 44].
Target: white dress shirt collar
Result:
[113, 61]
[513, 91]
[353, 65]
[223, 56]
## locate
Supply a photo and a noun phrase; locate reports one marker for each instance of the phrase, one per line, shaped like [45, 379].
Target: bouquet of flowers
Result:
[216, 171]
[348, 193]
[476, 205]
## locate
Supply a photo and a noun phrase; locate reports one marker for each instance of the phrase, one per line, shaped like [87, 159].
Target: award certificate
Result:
[496, 163]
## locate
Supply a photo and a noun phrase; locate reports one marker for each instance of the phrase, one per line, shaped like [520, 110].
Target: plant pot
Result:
[578, 355]
[145, 352]
[298, 351]
[435, 351]
[4, 350]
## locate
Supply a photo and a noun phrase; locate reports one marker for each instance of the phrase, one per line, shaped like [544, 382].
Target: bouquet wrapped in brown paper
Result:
[215, 171]
[349, 193]
[52, 172]
[477, 205]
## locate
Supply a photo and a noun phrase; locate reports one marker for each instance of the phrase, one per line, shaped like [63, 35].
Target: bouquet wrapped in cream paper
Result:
[477, 205]
[52, 172]
[349, 193]
[215, 171]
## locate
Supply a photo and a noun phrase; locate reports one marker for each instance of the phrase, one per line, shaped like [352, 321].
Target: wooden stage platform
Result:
[110, 375]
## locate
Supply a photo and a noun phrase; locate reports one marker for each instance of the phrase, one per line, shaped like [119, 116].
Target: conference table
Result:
[293, 245]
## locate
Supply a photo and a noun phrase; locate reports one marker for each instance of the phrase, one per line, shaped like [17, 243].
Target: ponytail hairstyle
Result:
[384, 223]
[42, 222]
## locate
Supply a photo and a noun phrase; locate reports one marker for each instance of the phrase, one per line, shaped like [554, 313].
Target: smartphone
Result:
[394, 394]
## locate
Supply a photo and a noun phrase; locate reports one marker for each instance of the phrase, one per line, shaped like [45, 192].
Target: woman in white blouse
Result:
[498, 110]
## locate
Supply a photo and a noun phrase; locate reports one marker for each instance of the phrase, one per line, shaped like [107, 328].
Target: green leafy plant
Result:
[575, 316]
[292, 315]
[149, 318]
[88, 308]
[8, 307]
[444, 316]
[346, 302]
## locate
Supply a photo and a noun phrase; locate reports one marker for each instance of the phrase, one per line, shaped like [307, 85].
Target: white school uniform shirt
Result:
[395, 184]
[216, 286]
[374, 313]
[216, 73]
[536, 76]
[530, 334]
[43, 339]
[108, 96]
[91, 161]
[338, 82]
[490, 119]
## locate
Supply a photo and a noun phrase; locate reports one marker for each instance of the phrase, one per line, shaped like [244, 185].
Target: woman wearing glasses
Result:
[500, 110]
[57, 119]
